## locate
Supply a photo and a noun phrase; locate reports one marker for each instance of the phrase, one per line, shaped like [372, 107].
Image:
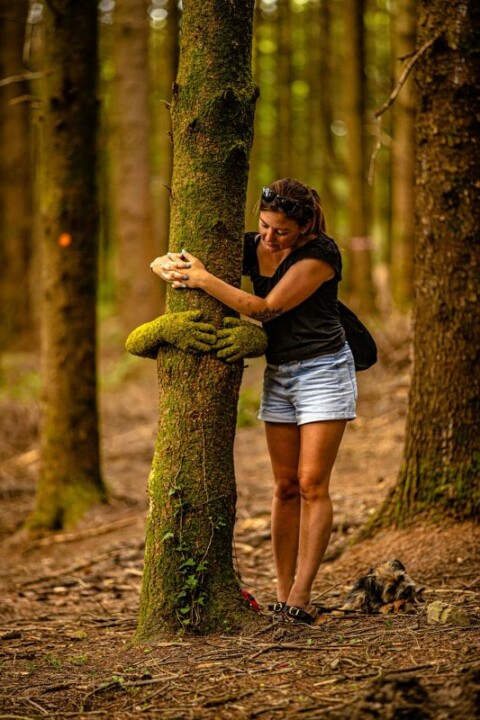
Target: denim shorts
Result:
[320, 388]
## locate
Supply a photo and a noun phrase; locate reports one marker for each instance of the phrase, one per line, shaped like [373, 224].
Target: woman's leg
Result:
[283, 440]
[319, 443]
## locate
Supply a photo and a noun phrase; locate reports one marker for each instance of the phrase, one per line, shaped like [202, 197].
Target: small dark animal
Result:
[385, 588]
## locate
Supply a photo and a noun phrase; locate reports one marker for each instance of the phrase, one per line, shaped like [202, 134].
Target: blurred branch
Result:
[20, 78]
[406, 72]
[394, 94]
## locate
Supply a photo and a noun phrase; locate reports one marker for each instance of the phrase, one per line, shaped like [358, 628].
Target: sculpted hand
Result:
[239, 339]
[183, 330]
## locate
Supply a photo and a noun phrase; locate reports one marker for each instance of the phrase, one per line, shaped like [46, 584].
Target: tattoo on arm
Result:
[266, 315]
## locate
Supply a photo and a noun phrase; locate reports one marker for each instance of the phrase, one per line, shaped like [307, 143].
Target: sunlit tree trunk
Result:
[403, 160]
[16, 195]
[441, 466]
[189, 579]
[70, 479]
[138, 294]
[360, 284]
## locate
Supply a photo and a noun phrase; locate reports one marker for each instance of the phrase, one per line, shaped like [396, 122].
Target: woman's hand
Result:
[181, 270]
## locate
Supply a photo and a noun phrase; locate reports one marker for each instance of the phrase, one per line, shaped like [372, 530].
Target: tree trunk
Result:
[284, 130]
[442, 454]
[189, 579]
[321, 160]
[70, 479]
[164, 63]
[403, 160]
[16, 193]
[138, 294]
[359, 269]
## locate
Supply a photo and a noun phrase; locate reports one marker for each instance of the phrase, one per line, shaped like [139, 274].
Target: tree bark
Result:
[440, 471]
[284, 130]
[189, 580]
[403, 161]
[164, 62]
[138, 297]
[16, 192]
[321, 160]
[70, 479]
[359, 267]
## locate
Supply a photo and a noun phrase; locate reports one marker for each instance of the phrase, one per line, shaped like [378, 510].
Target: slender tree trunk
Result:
[360, 283]
[322, 82]
[138, 294]
[284, 132]
[16, 193]
[189, 579]
[403, 160]
[164, 62]
[70, 479]
[442, 453]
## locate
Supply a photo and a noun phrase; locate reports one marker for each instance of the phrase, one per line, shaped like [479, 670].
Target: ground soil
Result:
[69, 600]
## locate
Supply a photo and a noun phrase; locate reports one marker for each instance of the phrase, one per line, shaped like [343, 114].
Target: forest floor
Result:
[69, 601]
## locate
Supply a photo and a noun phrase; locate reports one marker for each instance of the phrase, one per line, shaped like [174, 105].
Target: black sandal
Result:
[298, 614]
[278, 610]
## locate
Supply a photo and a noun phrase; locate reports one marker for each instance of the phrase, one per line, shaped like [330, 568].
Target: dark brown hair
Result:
[309, 204]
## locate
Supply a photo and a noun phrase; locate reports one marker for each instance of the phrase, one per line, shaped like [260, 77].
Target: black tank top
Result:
[312, 328]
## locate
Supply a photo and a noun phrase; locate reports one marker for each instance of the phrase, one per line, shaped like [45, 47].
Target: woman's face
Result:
[277, 231]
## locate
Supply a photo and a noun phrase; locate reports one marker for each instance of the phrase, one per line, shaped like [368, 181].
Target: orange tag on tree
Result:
[65, 240]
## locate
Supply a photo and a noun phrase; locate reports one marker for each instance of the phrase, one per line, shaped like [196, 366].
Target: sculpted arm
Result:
[184, 330]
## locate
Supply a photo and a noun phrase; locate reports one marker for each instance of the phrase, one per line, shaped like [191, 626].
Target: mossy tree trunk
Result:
[16, 192]
[441, 464]
[70, 479]
[138, 299]
[189, 579]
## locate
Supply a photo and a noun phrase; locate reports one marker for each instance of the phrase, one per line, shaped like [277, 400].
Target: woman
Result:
[309, 390]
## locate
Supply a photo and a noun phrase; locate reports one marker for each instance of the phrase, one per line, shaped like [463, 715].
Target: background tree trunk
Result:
[138, 294]
[283, 149]
[442, 453]
[359, 275]
[70, 479]
[16, 191]
[403, 160]
[189, 579]
[164, 64]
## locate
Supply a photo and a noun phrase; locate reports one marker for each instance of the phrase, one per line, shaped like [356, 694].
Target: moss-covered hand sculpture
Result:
[184, 330]
[239, 339]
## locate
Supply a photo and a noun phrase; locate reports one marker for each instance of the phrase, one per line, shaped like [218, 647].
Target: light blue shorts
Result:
[304, 391]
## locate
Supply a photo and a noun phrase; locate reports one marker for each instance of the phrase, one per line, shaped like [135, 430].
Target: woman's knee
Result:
[314, 487]
[287, 488]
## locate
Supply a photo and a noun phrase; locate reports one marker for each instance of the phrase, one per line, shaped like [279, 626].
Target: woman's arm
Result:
[298, 283]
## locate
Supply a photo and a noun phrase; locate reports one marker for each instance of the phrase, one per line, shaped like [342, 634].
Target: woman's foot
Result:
[305, 615]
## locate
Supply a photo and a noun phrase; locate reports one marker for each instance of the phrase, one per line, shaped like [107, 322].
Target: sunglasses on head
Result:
[288, 205]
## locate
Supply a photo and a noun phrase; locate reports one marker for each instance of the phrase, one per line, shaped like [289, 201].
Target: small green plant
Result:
[79, 659]
[52, 660]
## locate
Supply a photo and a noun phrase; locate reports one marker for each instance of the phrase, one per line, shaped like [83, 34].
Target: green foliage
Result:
[19, 377]
[248, 405]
